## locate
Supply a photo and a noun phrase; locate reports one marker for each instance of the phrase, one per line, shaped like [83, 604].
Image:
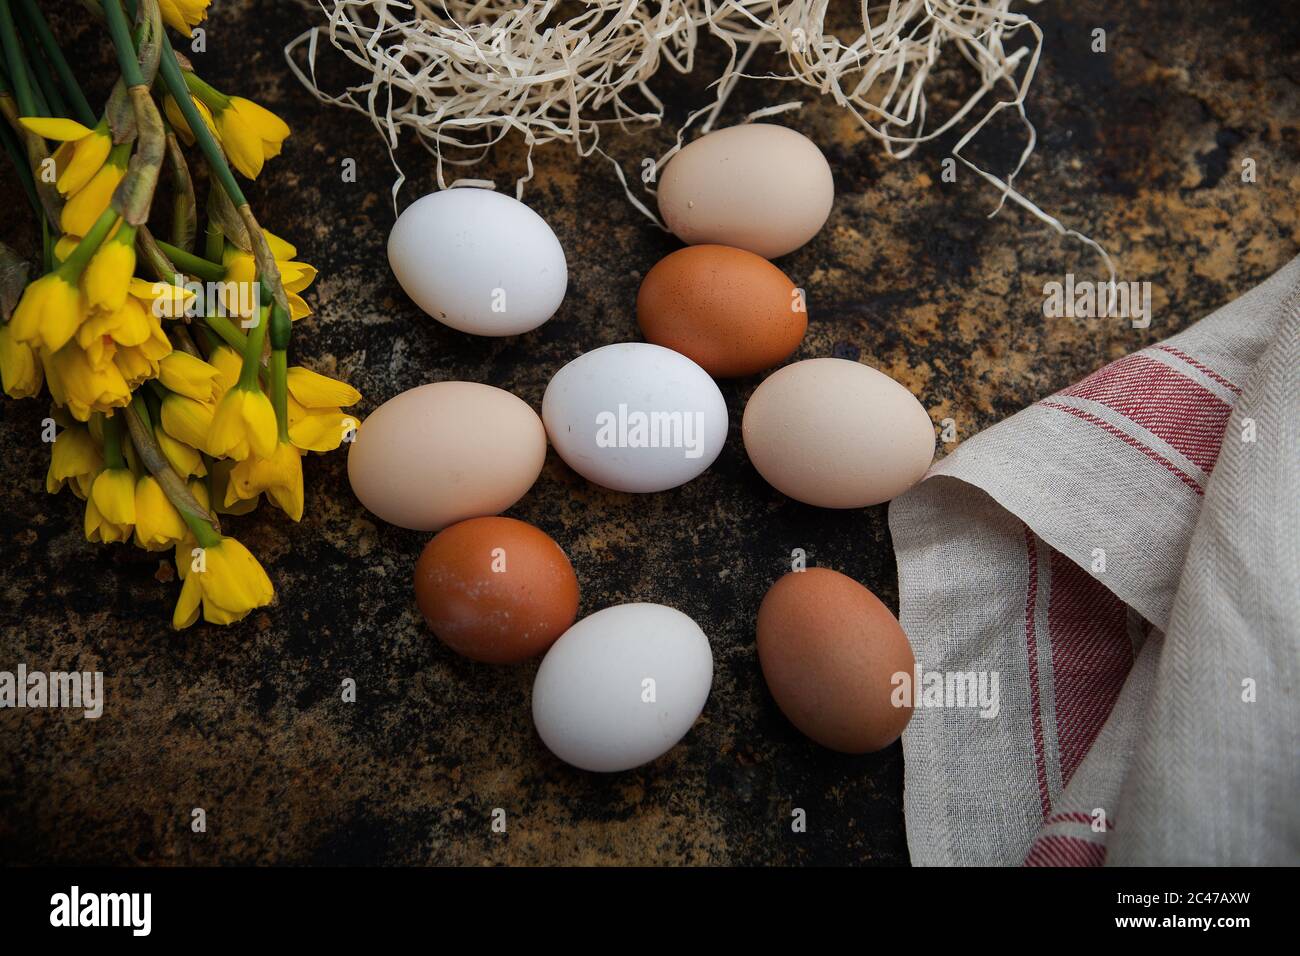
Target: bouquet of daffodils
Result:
[167, 362]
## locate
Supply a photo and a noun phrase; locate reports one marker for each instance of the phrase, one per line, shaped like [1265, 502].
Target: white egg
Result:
[622, 687]
[635, 417]
[478, 261]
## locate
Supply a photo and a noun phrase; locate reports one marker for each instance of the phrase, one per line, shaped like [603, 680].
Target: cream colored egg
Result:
[444, 452]
[759, 187]
[837, 434]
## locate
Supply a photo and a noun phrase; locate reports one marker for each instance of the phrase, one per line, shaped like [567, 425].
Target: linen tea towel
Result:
[1124, 555]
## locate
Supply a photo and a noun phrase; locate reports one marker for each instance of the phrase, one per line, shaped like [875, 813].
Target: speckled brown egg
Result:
[495, 589]
[829, 651]
[730, 311]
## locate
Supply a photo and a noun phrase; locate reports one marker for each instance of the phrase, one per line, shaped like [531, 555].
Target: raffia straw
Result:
[465, 74]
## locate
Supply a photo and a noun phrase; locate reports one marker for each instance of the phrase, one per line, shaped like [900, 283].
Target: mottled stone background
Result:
[1141, 148]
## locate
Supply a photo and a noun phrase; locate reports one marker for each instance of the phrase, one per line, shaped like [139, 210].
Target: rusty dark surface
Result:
[1141, 147]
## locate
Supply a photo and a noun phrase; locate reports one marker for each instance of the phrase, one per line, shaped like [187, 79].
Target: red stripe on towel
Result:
[1073, 816]
[1200, 367]
[1031, 647]
[1091, 657]
[1128, 439]
[1057, 850]
[1167, 403]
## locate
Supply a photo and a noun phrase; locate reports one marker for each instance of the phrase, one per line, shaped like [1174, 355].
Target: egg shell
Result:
[593, 405]
[759, 187]
[495, 589]
[590, 701]
[478, 261]
[829, 650]
[837, 434]
[730, 311]
[443, 452]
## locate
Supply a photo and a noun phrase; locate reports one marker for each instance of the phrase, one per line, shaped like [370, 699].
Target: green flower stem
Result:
[228, 331]
[204, 524]
[253, 353]
[237, 340]
[214, 243]
[208, 271]
[45, 81]
[174, 80]
[202, 530]
[175, 83]
[112, 426]
[15, 151]
[120, 31]
[280, 391]
[15, 64]
[37, 152]
[76, 263]
[212, 98]
[281, 331]
[43, 33]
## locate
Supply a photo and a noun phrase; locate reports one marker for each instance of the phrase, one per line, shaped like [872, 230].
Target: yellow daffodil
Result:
[241, 269]
[317, 421]
[74, 459]
[86, 204]
[183, 15]
[244, 423]
[295, 275]
[228, 364]
[190, 376]
[108, 277]
[50, 311]
[158, 525]
[179, 123]
[319, 429]
[222, 469]
[313, 390]
[19, 370]
[162, 299]
[184, 459]
[113, 492]
[82, 153]
[251, 134]
[64, 247]
[133, 366]
[99, 529]
[280, 476]
[84, 388]
[186, 420]
[227, 580]
[128, 325]
[140, 362]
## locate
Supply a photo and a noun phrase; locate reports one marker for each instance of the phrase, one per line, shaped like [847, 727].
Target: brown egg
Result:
[829, 650]
[730, 311]
[496, 589]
